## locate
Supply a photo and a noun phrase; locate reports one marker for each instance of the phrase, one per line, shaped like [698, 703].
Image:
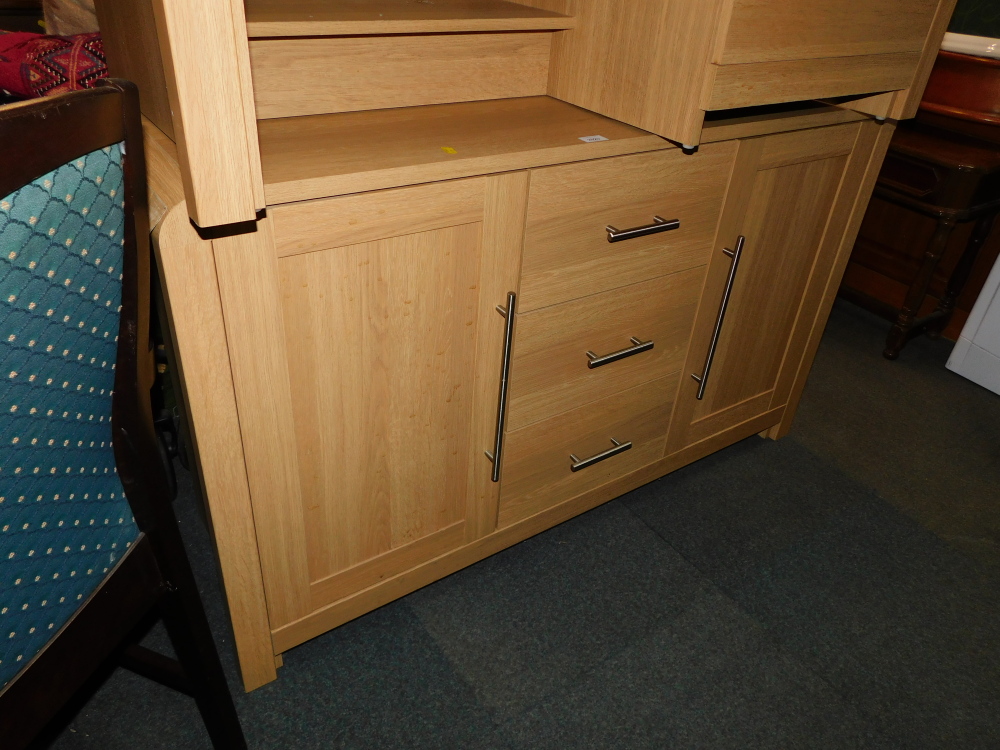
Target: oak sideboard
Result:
[443, 274]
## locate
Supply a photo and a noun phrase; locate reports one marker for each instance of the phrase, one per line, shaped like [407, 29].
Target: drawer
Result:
[538, 468]
[567, 254]
[771, 30]
[774, 51]
[551, 371]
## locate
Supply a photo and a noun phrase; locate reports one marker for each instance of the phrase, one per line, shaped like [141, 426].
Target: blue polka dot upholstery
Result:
[64, 519]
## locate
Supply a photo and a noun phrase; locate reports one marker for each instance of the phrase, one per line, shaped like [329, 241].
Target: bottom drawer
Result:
[538, 467]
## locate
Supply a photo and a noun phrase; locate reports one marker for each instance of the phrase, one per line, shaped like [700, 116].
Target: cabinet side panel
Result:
[247, 268]
[908, 101]
[191, 294]
[643, 62]
[128, 29]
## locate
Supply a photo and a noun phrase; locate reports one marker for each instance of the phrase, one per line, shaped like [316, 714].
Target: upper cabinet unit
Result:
[661, 64]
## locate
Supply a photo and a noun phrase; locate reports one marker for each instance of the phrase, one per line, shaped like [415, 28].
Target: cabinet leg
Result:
[899, 334]
[960, 275]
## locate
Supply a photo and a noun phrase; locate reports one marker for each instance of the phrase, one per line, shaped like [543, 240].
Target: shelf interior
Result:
[335, 154]
[285, 18]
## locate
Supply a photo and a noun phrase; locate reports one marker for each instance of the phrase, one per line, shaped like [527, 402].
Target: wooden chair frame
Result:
[35, 138]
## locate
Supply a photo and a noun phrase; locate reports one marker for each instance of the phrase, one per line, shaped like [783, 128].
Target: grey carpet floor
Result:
[835, 589]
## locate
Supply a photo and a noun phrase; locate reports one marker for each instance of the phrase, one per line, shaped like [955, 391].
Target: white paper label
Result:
[593, 138]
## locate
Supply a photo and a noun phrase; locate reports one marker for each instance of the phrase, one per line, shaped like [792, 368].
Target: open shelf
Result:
[284, 18]
[350, 152]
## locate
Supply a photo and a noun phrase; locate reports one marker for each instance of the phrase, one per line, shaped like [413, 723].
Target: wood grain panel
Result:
[644, 62]
[537, 472]
[550, 372]
[503, 239]
[318, 225]
[324, 155]
[205, 90]
[806, 145]
[753, 84]
[381, 338]
[353, 17]
[197, 327]
[377, 569]
[852, 202]
[247, 269]
[784, 226]
[566, 249]
[906, 104]
[295, 77]
[768, 30]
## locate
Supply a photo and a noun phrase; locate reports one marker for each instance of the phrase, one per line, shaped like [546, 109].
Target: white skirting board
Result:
[977, 354]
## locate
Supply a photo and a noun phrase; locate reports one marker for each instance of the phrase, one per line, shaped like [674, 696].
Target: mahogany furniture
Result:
[925, 274]
[451, 279]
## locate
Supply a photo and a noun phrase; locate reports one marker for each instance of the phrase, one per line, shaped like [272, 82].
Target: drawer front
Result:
[552, 372]
[755, 84]
[567, 254]
[772, 30]
[538, 468]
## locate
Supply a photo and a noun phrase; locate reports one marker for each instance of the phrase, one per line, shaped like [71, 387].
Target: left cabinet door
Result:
[389, 363]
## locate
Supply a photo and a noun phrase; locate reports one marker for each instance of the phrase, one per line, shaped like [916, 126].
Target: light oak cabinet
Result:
[662, 64]
[384, 178]
[778, 233]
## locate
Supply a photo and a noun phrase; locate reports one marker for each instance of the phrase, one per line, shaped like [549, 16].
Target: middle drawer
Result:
[571, 354]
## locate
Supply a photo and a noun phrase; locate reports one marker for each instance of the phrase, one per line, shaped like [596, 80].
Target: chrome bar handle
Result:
[497, 455]
[735, 255]
[584, 463]
[659, 225]
[638, 347]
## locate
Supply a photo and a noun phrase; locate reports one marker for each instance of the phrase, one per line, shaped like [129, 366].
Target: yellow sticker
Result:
[448, 150]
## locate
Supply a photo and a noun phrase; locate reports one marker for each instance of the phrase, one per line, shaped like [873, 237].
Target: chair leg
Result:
[960, 275]
[187, 625]
[899, 334]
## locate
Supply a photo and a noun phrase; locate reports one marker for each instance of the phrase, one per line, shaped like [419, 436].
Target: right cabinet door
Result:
[777, 221]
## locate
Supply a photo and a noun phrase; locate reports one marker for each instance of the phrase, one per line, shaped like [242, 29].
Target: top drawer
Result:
[567, 254]
[770, 30]
[776, 51]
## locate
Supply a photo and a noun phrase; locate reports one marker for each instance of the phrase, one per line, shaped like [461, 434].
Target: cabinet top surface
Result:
[324, 155]
[268, 18]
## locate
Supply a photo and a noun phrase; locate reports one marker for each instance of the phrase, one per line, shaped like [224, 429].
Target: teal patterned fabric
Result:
[976, 17]
[64, 520]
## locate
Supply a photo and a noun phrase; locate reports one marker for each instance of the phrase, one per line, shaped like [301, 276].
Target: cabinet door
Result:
[777, 215]
[385, 354]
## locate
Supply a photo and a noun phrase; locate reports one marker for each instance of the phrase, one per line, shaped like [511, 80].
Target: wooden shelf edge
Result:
[266, 18]
[360, 182]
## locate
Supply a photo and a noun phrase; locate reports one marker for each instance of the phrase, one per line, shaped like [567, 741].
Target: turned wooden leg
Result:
[960, 275]
[899, 333]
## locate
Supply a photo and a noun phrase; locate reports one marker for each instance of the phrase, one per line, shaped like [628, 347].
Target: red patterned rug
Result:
[33, 65]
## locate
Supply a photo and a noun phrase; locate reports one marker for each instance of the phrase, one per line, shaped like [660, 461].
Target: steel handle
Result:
[659, 225]
[638, 347]
[735, 255]
[497, 455]
[584, 463]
